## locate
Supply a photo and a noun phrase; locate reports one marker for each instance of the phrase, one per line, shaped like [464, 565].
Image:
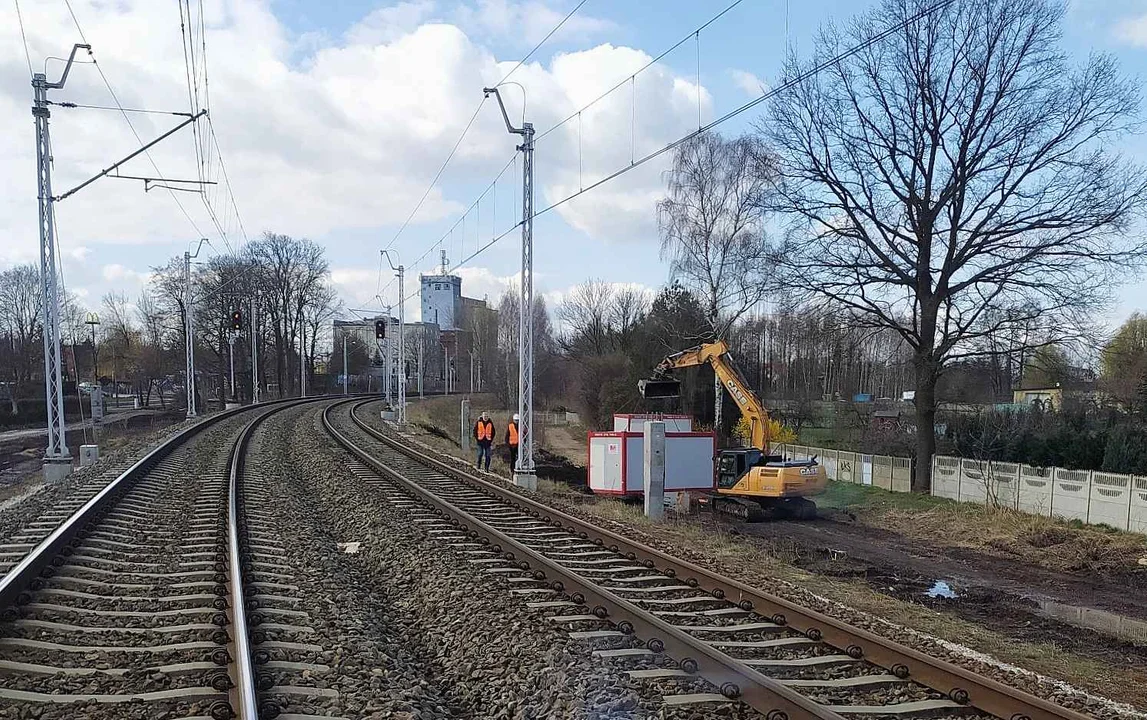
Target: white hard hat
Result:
[517, 417]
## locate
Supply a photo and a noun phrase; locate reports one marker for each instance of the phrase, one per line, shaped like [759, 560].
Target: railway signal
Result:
[236, 319]
[380, 329]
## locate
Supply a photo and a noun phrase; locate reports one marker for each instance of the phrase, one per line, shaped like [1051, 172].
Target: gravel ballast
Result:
[412, 606]
[1044, 687]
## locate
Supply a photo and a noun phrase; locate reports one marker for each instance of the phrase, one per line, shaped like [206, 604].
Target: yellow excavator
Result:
[750, 481]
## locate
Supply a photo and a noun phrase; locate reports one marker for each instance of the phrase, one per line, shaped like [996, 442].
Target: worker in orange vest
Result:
[512, 441]
[484, 434]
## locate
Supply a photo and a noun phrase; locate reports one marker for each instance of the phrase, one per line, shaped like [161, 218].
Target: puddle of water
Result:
[942, 589]
[1108, 623]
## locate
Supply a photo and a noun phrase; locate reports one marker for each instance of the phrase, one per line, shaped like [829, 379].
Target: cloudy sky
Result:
[333, 117]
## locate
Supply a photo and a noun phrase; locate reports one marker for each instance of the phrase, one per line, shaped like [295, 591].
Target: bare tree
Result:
[956, 179]
[21, 328]
[712, 231]
[289, 272]
[587, 312]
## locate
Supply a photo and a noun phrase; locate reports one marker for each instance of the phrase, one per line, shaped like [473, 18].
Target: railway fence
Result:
[1091, 496]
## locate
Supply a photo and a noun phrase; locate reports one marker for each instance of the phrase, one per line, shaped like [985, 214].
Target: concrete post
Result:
[653, 452]
[464, 431]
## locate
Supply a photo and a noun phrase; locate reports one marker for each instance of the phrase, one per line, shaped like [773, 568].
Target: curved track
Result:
[137, 605]
[678, 623]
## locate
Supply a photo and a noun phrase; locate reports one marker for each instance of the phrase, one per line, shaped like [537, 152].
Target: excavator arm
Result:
[715, 354]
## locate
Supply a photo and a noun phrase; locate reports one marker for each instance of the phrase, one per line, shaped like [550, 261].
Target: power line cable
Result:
[773, 92]
[131, 126]
[543, 41]
[470, 124]
[629, 78]
[27, 55]
[81, 106]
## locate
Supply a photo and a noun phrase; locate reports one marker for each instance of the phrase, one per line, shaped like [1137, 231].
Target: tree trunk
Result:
[925, 400]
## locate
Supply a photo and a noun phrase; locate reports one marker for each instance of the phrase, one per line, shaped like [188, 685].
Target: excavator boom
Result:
[715, 354]
[747, 479]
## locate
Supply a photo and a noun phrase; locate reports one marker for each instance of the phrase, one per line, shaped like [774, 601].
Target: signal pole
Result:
[524, 474]
[400, 416]
[189, 325]
[254, 354]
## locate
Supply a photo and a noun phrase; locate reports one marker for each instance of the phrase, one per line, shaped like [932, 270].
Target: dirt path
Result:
[1006, 596]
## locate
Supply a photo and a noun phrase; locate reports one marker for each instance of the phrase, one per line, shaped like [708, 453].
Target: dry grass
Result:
[769, 567]
[1046, 542]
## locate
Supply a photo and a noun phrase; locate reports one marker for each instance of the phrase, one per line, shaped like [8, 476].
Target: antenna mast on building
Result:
[445, 262]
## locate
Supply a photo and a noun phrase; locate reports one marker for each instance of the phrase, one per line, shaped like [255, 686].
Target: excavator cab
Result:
[749, 480]
[733, 463]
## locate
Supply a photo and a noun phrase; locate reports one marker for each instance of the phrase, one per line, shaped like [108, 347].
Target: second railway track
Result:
[701, 637]
[161, 596]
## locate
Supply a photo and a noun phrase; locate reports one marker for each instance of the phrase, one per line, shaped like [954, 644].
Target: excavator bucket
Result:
[659, 388]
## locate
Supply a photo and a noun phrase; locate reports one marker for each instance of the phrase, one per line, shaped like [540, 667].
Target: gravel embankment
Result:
[84, 482]
[413, 630]
[1047, 688]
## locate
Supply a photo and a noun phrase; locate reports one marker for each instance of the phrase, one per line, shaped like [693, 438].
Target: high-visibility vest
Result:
[486, 430]
[513, 430]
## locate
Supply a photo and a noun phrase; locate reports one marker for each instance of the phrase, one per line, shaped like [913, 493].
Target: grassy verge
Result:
[1051, 543]
[770, 567]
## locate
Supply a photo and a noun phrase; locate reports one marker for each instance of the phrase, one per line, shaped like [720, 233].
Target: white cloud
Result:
[120, 275]
[322, 136]
[527, 23]
[752, 85]
[1132, 30]
[387, 24]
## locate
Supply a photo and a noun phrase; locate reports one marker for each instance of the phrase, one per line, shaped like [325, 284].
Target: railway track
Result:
[161, 595]
[701, 637]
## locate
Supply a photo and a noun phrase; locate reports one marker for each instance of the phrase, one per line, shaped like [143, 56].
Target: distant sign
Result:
[862, 397]
[613, 448]
[97, 405]
[908, 395]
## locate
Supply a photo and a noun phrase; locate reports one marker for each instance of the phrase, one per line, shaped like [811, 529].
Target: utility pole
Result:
[231, 353]
[346, 378]
[400, 416]
[524, 475]
[57, 457]
[254, 354]
[189, 326]
[302, 359]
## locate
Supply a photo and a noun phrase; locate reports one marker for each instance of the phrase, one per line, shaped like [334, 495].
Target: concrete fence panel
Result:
[828, 458]
[973, 481]
[865, 469]
[1035, 490]
[882, 472]
[946, 477]
[1070, 493]
[901, 474]
[1137, 518]
[846, 467]
[1110, 501]
[1003, 484]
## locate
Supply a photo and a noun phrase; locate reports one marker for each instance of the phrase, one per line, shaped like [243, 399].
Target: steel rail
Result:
[15, 586]
[736, 680]
[62, 539]
[959, 684]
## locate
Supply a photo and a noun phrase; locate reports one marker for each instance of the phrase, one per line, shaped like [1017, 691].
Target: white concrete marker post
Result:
[464, 432]
[653, 452]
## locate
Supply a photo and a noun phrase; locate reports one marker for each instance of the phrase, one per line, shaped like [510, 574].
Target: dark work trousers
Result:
[483, 451]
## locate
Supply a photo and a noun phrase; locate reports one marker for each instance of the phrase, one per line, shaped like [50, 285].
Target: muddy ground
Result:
[989, 590]
[883, 553]
[21, 457]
